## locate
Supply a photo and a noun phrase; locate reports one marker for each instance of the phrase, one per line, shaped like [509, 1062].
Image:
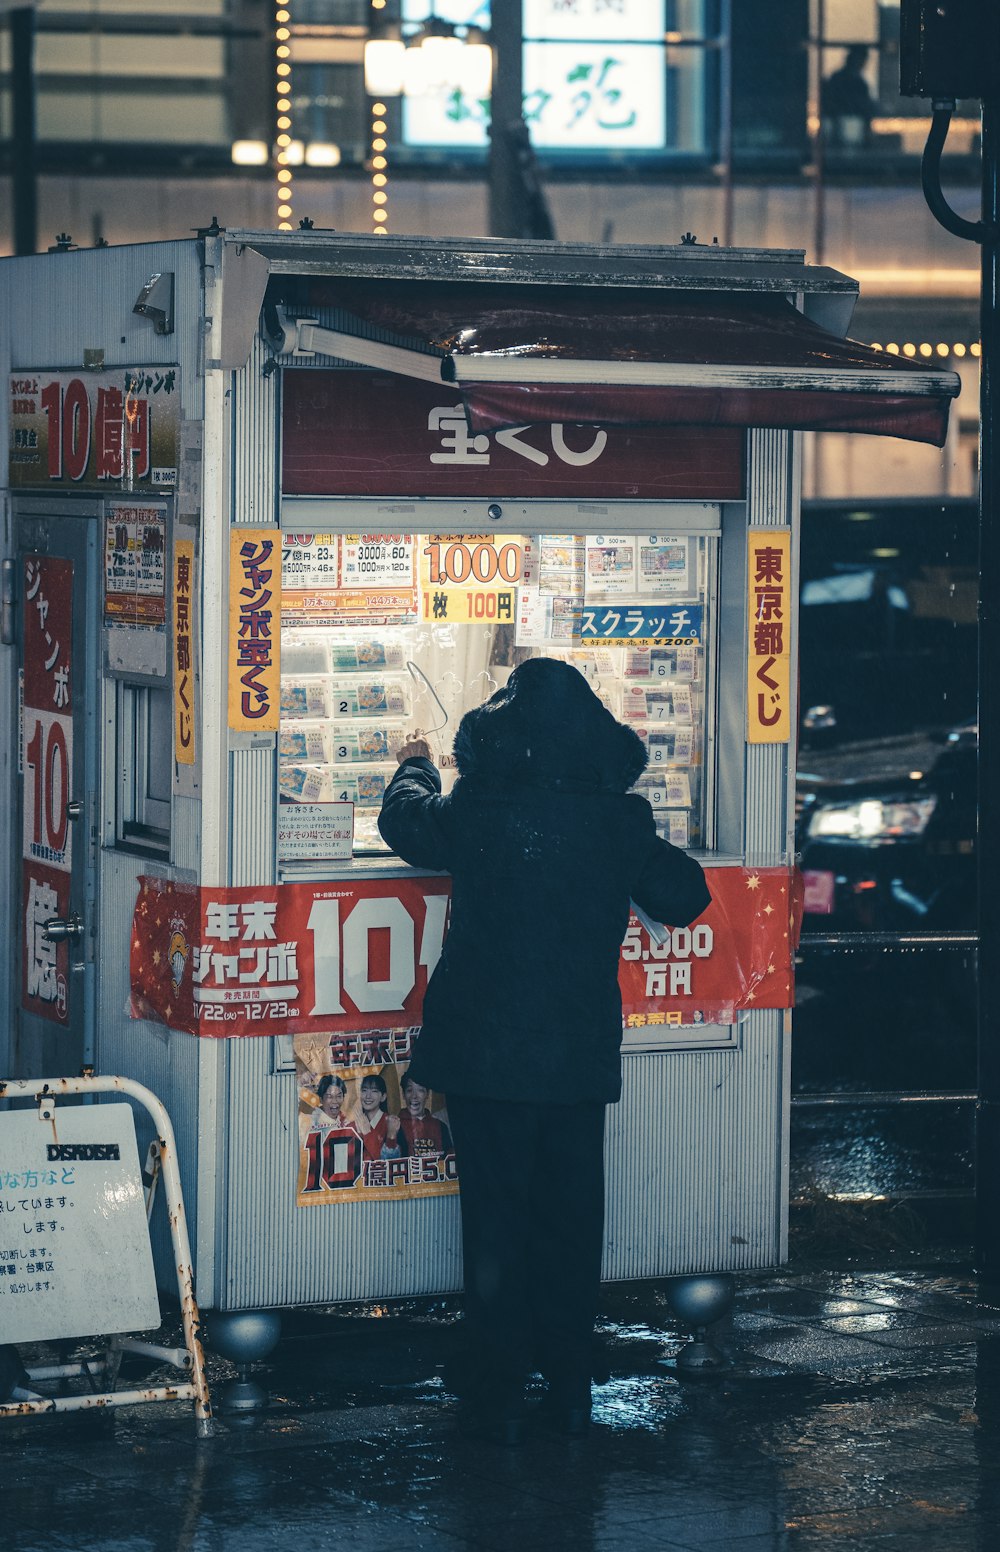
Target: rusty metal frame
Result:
[47, 1091]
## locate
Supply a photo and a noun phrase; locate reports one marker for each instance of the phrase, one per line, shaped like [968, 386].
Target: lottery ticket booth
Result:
[274, 500]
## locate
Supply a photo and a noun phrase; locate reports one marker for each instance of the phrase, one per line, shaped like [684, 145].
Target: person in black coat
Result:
[522, 1017]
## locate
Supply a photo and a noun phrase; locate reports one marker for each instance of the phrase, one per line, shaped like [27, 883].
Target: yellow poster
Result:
[769, 621]
[470, 578]
[184, 750]
[254, 626]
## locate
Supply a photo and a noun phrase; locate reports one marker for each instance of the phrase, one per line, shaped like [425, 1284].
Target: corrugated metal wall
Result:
[693, 1158]
[71, 302]
[256, 445]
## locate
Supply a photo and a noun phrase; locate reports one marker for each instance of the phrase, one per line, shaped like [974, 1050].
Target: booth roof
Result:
[629, 356]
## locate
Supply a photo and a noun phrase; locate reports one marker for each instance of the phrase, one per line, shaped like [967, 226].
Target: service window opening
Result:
[386, 633]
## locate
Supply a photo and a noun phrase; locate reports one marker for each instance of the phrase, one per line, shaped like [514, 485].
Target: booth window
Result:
[383, 632]
[145, 766]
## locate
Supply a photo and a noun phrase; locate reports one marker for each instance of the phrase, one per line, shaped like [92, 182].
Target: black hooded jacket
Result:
[545, 846]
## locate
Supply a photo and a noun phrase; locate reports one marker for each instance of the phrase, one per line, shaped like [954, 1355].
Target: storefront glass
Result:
[383, 634]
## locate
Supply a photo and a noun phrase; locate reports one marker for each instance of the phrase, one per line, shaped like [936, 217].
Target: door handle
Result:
[74, 808]
[63, 929]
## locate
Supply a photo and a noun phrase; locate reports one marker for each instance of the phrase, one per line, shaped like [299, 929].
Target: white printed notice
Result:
[75, 1258]
[665, 569]
[322, 832]
[377, 560]
[610, 568]
[135, 577]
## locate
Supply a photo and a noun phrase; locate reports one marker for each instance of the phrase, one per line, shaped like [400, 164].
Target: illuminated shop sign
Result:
[594, 78]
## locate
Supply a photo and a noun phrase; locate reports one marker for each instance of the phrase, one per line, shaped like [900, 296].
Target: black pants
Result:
[532, 1198]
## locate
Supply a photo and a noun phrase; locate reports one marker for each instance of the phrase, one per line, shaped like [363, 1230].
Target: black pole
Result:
[25, 193]
[987, 1249]
[819, 144]
[725, 41]
[505, 186]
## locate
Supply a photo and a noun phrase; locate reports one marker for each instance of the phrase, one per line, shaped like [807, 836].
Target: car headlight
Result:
[873, 820]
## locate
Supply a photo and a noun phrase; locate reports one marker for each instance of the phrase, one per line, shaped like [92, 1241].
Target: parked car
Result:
[886, 834]
[886, 781]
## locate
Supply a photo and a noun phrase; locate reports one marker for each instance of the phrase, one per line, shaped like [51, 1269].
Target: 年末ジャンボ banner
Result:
[367, 1131]
[317, 958]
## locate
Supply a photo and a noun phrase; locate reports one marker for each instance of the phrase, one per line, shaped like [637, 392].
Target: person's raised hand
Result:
[415, 745]
[392, 1127]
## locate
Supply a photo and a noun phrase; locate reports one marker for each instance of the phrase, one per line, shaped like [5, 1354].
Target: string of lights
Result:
[380, 212]
[926, 349]
[283, 84]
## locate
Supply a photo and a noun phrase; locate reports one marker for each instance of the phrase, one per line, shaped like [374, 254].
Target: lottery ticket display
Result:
[385, 636]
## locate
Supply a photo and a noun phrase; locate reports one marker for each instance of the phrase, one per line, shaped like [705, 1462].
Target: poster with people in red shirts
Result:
[367, 1130]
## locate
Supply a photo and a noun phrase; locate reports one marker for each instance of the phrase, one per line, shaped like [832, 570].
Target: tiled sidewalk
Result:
[862, 1411]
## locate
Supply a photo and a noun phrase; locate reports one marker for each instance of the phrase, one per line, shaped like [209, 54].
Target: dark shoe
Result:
[465, 1379]
[567, 1410]
[573, 1421]
[504, 1428]
[506, 1431]
[494, 1412]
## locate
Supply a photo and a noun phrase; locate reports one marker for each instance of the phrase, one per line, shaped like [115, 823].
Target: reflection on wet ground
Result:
[862, 1410]
[880, 1022]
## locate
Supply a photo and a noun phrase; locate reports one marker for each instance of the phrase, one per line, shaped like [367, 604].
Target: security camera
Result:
[156, 302]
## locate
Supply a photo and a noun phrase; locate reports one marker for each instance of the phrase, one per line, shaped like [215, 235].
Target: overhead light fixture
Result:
[384, 53]
[249, 153]
[322, 154]
[432, 58]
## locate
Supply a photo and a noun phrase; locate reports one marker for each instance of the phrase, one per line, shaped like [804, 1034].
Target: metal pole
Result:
[22, 41]
[726, 118]
[505, 120]
[988, 840]
[819, 148]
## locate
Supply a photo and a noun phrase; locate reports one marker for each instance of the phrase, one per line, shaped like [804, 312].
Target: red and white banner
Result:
[47, 767]
[351, 957]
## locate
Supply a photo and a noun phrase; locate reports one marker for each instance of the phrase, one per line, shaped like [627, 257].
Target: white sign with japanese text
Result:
[315, 831]
[75, 1257]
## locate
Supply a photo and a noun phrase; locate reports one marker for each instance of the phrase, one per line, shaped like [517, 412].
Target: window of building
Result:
[145, 766]
[626, 81]
[856, 104]
[112, 73]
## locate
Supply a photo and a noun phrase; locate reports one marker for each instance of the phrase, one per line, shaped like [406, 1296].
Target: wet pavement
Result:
[862, 1410]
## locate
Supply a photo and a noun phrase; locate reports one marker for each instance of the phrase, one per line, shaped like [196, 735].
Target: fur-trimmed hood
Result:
[548, 728]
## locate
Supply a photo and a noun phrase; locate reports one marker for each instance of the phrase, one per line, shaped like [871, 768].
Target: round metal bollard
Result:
[243, 1336]
[699, 1301]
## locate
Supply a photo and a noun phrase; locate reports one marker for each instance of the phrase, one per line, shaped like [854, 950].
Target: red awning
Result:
[521, 356]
